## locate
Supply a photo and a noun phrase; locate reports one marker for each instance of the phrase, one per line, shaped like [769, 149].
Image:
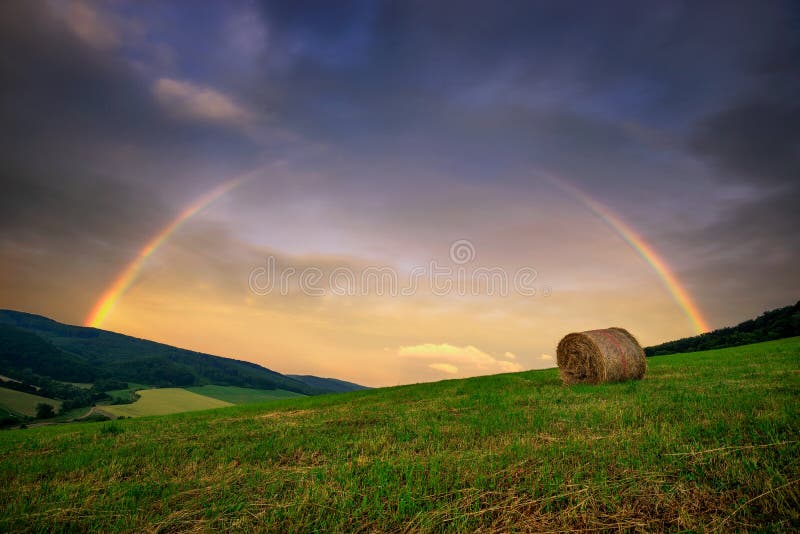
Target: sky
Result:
[396, 192]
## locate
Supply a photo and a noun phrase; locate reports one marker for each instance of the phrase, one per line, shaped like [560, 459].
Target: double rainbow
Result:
[105, 304]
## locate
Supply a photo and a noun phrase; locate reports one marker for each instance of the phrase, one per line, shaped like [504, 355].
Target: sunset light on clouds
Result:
[595, 177]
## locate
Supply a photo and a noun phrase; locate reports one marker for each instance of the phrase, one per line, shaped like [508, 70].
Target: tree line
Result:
[775, 324]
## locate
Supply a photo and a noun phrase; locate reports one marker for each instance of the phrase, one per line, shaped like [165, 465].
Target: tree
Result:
[44, 411]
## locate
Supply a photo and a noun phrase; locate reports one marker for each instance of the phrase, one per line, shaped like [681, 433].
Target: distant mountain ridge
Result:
[35, 345]
[333, 385]
[774, 324]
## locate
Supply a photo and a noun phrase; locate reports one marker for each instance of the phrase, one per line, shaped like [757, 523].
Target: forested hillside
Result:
[775, 324]
[31, 345]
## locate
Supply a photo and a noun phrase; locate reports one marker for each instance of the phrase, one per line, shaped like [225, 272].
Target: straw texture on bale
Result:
[598, 356]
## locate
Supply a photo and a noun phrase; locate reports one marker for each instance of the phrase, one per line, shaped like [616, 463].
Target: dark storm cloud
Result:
[756, 140]
[87, 154]
[66, 109]
[60, 94]
[753, 142]
[508, 83]
[35, 207]
[63, 236]
[446, 47]
[749, 253]
[397, 93]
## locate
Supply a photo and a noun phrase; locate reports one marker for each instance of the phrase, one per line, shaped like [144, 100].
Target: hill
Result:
[33, 347]
[775, 324]
[706, 442]
[23, 403]
[328, 384]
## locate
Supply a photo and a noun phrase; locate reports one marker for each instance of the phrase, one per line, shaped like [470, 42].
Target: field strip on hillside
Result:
[240, 395]
[164, 401]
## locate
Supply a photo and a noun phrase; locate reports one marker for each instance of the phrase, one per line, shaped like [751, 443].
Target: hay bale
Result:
[597, 356]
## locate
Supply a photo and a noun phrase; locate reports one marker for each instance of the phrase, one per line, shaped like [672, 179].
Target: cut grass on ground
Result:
[24, 403]
[237, 395]
[164, 401]
[706, 442]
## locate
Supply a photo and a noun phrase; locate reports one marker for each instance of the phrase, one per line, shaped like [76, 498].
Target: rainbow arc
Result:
[647, 252]
[123, 281]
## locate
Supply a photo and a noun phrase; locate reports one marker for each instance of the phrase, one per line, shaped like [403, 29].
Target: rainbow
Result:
[123, 281]
[646, 251]
[105, 304]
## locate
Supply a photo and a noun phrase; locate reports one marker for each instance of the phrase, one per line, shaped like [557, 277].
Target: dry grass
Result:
[515, 452]
[599, 356]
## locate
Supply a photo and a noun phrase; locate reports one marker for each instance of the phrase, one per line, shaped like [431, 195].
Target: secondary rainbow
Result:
[646, 251]
[123, 281]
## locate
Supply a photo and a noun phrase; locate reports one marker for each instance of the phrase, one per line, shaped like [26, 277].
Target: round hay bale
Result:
[598, 356]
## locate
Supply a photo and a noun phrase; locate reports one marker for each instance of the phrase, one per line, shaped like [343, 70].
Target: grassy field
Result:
[24, 403]
[237, 395]
[706, 442]
[164, 401]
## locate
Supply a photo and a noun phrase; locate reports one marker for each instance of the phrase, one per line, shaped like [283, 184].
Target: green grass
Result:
[164, 401]
[24, 403]
[237, 395]
[706, 442]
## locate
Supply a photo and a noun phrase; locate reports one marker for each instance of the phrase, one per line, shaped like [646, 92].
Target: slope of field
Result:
[24, 403]
[706, 442]
[165, 401]
[237, 395]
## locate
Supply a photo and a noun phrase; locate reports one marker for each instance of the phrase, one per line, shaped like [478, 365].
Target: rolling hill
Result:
[33, 346]
[23, 403]
[707, 441]
[328, 384]
[775, 324]
[23, 350]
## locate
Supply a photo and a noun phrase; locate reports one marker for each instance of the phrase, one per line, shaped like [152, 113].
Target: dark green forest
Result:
[40, 351]
[330, 384]
[775, 324]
